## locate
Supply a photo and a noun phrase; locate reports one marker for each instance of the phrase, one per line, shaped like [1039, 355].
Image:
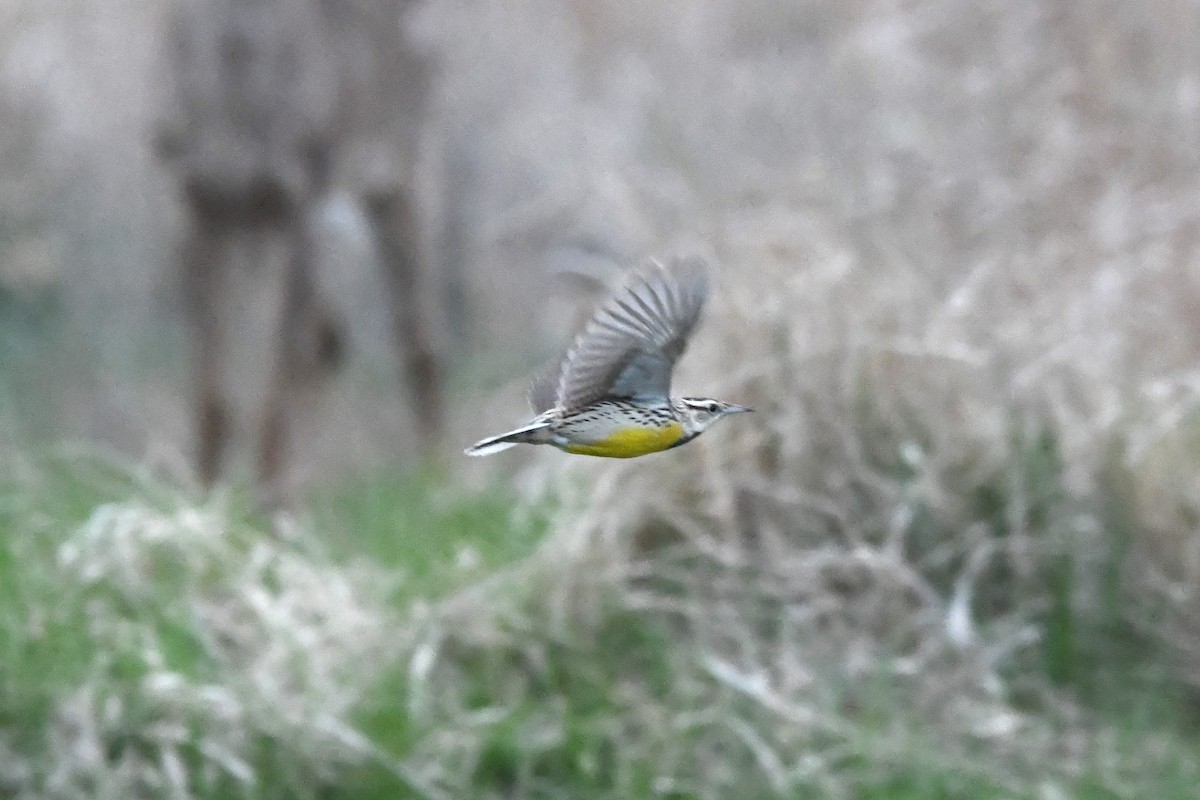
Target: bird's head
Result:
[698, 413]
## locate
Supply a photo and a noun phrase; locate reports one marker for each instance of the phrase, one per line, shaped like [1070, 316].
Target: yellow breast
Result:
[631, 442]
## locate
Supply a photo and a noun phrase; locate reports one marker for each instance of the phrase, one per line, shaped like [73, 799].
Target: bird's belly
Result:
[630, 442]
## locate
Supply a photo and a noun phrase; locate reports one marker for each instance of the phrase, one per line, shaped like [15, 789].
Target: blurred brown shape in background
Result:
[277, 103]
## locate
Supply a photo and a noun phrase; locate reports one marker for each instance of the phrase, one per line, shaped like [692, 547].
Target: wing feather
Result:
[630, 346]
[543, 389]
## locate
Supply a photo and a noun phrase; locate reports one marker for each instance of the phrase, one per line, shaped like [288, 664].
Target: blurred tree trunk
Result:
[394, 222]
[276, 101]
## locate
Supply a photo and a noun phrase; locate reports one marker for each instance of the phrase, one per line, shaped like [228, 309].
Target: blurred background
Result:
[532, 142]
[536, 141]
[313, 248]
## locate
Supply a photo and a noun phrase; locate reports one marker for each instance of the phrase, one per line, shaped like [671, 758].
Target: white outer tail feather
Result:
[494, 444]
[487, 447]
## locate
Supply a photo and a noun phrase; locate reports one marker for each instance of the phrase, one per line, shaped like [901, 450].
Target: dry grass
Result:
[957, 246]
[201, 642]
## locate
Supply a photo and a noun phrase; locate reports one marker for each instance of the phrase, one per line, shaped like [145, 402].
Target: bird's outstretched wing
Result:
[543, 388]
[584, 278]
[631, 344]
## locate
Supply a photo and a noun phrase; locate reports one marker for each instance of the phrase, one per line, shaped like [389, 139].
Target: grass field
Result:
[955, 554]
[407, 639]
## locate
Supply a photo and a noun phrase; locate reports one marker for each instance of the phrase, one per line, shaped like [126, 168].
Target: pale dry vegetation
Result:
[955, 551]
[958, 280]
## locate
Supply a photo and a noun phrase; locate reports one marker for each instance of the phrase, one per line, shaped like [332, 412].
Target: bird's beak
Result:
[738, 409]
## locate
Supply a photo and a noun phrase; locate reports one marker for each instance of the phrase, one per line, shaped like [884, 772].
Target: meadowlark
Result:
[610, 395]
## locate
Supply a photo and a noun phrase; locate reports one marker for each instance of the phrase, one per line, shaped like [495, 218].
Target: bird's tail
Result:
[494, 444]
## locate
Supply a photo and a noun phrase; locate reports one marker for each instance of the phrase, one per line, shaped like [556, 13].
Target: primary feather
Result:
[631, 344]
[543, 388]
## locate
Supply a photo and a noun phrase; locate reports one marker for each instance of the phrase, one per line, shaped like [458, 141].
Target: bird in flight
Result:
[611, 394]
